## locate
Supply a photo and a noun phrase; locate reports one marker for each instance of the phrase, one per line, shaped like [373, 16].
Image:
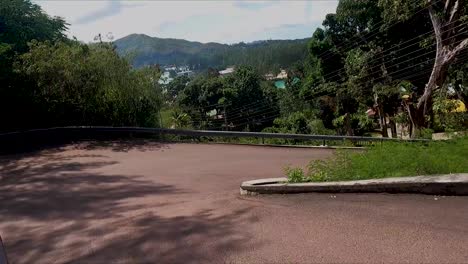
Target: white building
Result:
[227, 71]
[282, 75]
[165, 78]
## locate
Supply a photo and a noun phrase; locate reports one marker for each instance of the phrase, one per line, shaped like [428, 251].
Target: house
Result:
[269, 76]
[187, 73]
[228, 70]
[282, 75]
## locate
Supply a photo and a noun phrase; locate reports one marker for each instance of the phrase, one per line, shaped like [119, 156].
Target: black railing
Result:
[60, 135]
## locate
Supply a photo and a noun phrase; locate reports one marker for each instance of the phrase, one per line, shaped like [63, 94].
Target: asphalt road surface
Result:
[143, 202]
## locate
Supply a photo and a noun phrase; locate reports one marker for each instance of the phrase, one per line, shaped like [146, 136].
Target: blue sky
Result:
[204, 21]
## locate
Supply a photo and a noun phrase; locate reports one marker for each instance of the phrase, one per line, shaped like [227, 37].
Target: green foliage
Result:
[424, 133]
[299, 123]
[399, 10]
[21, 22]
[180, 119]
[214, 101]
[77, 84]
[392, 159]
[446, 118]
[361, 59]
[166, 117]
[359, 123]
[294, 175]
[265, 56]
[48, 80]
[176, 86]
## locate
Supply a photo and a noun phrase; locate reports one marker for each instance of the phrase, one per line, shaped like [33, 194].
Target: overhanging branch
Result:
[451, 55]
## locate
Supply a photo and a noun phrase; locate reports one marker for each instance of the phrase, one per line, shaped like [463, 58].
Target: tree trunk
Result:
[443, 23]
[380, 112]
[393, 127]
[383, 124]
[410, 129]
[347, 123]
[417, 119]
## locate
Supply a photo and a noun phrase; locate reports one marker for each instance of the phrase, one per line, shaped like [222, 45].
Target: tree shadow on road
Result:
[123, 145]
[67, 187]
[145, 238]
[199, 238]
[57, 207]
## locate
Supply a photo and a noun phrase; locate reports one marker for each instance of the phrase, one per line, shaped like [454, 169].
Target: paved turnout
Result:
[144, 202]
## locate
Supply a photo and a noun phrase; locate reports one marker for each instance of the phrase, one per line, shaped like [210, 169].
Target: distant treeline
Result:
[265, 56]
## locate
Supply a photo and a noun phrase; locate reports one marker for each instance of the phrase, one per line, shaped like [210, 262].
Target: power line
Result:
[376, 31]
[460, 60]
[329, 75]
[390, 65]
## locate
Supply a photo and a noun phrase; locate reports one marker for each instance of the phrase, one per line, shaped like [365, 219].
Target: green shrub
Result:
[424, 133]
[294, 174]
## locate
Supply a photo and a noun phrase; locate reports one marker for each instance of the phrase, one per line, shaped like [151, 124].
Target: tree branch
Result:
[453, 12]
[447, 4]
[436, 24]
[454, 52]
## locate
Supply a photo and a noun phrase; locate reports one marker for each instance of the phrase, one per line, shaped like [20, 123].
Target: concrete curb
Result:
[450, 184]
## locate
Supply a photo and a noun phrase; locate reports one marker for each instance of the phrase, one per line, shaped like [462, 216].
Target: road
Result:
[142, 202]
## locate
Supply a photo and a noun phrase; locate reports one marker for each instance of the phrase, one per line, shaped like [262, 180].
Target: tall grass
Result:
[393, 159]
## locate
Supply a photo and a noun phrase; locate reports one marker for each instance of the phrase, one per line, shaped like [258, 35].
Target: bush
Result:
[424, 133]
[80, 84]
[294, 174]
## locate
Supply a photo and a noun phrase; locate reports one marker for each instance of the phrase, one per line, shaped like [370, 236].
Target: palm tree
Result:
[180, 119]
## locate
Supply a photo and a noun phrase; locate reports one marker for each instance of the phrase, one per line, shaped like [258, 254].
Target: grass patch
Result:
[166, 117]
[390, 159]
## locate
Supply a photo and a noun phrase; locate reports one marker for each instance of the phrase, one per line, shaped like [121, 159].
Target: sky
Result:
[205, 21]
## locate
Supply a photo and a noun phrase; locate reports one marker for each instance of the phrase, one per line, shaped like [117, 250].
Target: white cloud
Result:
[205, 21]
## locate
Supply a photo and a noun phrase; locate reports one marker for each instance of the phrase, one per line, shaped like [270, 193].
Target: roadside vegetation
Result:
[388, 159]
[50, 80]
[374, 67]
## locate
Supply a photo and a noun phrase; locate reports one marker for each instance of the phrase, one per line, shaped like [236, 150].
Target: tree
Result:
[176, 86]
[21, 22]
[200, 96]
[237, 101]
[79, 84]
[244, 88]
[448, 19]
[180, 119]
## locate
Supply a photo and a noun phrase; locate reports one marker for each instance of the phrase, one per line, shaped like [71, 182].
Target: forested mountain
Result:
[263, 55]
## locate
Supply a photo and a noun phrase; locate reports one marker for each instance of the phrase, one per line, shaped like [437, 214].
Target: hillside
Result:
[264, 55]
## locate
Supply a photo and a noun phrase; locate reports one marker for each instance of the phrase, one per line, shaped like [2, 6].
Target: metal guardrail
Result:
[205, 133]
[234, 134]
[37, 138]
